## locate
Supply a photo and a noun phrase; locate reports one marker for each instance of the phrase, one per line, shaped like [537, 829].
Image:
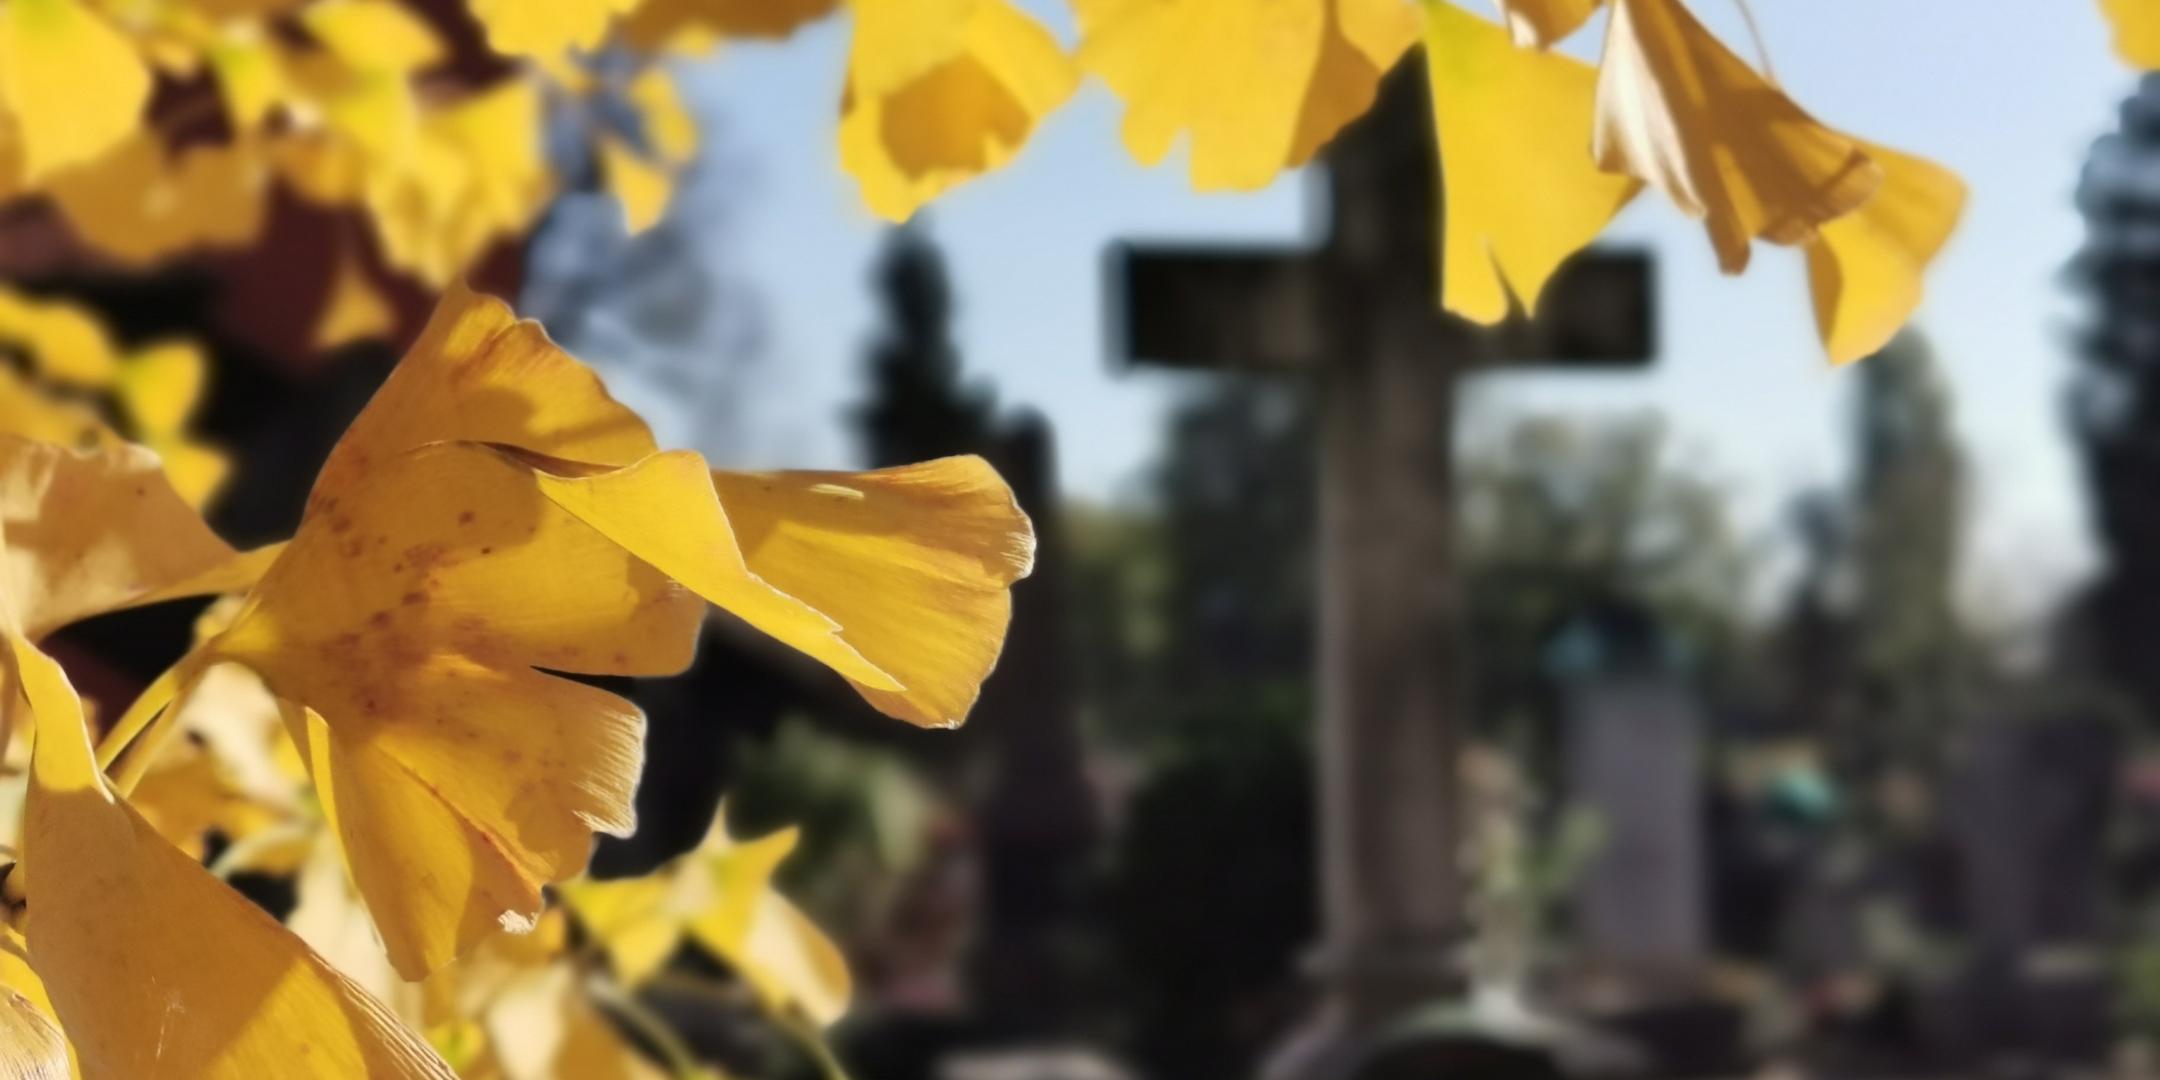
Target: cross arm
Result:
[1215, 307]
[1253, 308]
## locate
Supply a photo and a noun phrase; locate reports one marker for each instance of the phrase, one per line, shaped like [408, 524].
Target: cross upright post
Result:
[1361, 315]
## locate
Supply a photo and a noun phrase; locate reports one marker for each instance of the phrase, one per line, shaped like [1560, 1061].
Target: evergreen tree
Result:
[919, 406]
[1908, 495]
[2115, 401]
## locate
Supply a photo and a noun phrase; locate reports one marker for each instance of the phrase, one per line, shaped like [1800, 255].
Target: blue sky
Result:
[2010, 93]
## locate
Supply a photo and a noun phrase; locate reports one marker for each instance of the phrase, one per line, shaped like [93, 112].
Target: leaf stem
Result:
[145, 751]
[141, 734]
[648, 1024]
[811, 1039]
[138, 716]
[1762, 49]
[799, 1029]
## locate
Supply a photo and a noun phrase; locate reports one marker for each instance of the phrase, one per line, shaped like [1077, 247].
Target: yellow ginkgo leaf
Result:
[1865, 269]
[376, 110]
[475, 175]
[898, 41]
[679, 24]
[670, 26]
[63, 341]
[356, 310]
[914, 563]
[2137, 31]
[942, 535]
[217, 990]
[546, 28]
[784, 957]
[330, 917]
[319, 166]
[405, 624]
[641, 186]
[1361, 42]
[421, 211]
[668, 127]
[138, 205]
[547, 1027]
[722, 897]
[186, 794]
[238, 723]
[159, 386]
[955, 99]
[231, 10]
[197, 471]
[1522, 195]
[83, 533]
[31, 1045]
[126, 537]
[16, 974]
[1543, 23]
[1256, 87]
[460, 565]
[496, 132]
[250, 76]
[149, 394]
[475, 988]
[493, 516]
[663, 511]
[1677, 110]
[29, 411]
[639, 920]
[478, 373]
[373, 34]
[73, 83]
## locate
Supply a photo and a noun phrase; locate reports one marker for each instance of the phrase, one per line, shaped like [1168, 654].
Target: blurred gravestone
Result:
[1633, 729]
[1633, 726]
[1361, 315]
[2031, 814]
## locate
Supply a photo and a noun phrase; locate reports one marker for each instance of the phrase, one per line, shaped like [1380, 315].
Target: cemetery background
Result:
[1744, 792]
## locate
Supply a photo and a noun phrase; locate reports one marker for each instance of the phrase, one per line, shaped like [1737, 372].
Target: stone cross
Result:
[1361, 313]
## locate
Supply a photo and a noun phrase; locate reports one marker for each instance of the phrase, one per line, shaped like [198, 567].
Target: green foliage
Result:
[1559, 517]
[1908, 494]
[863, 810]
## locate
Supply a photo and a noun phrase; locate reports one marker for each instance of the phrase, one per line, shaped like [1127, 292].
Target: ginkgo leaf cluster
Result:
[75, 386]
[1537, 151]
[382, 709]
[389, 109]
[160, 129]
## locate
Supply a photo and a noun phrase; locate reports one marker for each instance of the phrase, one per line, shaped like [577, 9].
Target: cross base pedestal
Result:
[1369, 989]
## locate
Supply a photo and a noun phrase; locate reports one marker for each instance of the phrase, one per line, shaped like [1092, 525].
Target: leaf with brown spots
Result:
[494, 517]
[898, 579]
[125, 538]
[460, 777]
[86, 533]
[202, 983]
